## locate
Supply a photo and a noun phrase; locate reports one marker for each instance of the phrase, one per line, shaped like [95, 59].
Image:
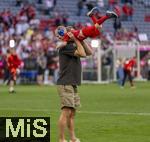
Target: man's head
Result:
[60, 31]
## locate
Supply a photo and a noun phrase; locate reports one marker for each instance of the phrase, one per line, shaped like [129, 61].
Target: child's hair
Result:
[60, 30]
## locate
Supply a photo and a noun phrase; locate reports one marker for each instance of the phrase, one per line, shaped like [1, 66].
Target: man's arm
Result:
[80, 49]
[61, 44]
[87, 48]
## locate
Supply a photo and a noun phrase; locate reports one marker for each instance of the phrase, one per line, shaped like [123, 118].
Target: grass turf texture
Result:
[108, 113]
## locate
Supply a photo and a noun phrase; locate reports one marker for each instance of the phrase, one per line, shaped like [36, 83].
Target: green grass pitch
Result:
[108, 113]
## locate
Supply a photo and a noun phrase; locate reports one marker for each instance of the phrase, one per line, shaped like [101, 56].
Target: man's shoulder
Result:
[70, 47]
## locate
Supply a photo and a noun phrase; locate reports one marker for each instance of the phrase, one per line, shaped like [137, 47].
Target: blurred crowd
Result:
[34, 46]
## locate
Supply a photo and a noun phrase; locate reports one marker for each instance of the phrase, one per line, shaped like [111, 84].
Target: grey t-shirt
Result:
[70, 66]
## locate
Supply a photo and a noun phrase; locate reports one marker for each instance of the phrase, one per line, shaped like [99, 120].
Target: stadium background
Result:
[31, 24]
[114, 115]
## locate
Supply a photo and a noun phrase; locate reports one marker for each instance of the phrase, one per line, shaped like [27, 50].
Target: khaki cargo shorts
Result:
[69, 96]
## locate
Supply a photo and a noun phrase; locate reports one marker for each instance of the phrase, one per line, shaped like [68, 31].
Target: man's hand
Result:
[71, 35]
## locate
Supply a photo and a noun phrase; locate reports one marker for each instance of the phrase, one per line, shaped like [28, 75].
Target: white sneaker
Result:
[77, 140]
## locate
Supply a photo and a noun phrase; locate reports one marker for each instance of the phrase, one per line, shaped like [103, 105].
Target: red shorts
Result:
[13, 73]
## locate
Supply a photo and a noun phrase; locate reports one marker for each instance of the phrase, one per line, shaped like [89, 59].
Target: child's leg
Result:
[94, 19]
[102, 19]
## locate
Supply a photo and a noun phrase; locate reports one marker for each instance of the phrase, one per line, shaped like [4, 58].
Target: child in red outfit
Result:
[87, 31]
[13, 63]
[128, 67]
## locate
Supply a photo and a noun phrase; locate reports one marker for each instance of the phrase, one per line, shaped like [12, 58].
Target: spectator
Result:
[129, 1]
[146, 3]
[40, 1]
[55, 3]
[148, 69]
[127, 11]
[117, 25]
[89, 5]
[107, 62]
[22, 26]
[18, 2]
[41, 62]
[1, 64]
[6, 70]
[123, 1]
[49, 5]
[51, 64]
[80, 6]
[28, 10]
[65, 18]
[120, 71]
[112, 3]
[100, 3]
[118, 10]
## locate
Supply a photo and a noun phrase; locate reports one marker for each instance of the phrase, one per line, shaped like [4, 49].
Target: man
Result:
[128, 68]
[69, 78]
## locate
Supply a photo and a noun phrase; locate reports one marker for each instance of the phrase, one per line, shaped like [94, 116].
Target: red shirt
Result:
[128, 10]
[129, 64]
[87, 31]
[13, 62]
[75, 33]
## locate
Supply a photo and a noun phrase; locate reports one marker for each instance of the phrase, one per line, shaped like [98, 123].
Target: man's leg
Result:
[66, 93]
[64, 117]
[71, 125]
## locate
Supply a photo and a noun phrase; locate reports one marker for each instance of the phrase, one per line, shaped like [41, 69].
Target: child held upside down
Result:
[87, 31]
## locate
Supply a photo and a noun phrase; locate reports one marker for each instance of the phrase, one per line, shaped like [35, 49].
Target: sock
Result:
[94, 19]
[102, 19]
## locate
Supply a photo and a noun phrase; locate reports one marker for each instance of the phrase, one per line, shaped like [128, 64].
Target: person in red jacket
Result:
[128, 11]
[13, 63]
[128, 68]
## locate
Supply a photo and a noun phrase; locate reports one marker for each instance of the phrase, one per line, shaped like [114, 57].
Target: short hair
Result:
[59, 28]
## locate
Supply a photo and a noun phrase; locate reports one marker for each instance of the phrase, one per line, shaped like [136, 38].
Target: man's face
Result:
[60, 37]
[60, 32]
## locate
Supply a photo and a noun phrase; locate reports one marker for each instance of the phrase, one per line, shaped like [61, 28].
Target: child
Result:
[87, 31]
[128, 69]
[13, 63]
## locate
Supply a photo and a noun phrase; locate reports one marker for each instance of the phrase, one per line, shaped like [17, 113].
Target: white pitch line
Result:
[116, 113]
[82, 112]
